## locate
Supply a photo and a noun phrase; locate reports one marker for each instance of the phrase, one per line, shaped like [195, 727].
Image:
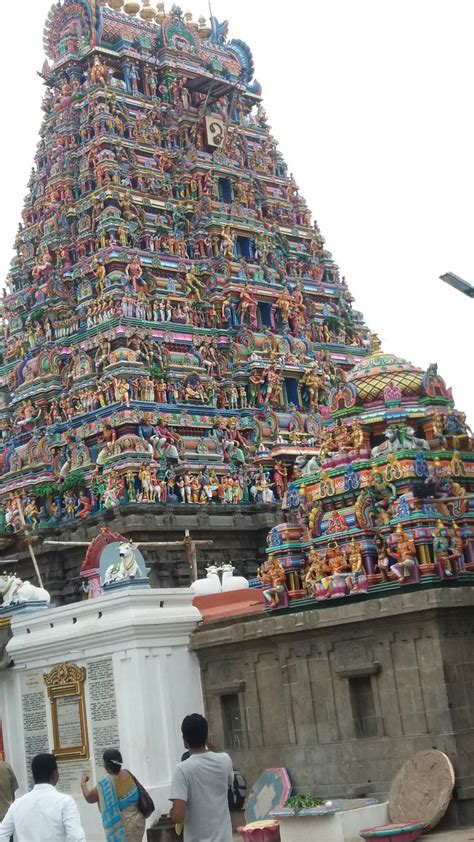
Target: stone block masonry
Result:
[238, 536]
[343, 697]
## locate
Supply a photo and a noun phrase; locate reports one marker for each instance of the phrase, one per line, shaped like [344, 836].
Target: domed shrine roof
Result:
[380, 373]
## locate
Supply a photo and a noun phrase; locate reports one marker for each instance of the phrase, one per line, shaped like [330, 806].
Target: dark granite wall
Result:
[343, 695]
[238, 532]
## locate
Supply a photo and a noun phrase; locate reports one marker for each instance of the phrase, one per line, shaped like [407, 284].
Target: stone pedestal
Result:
[140, 681]
[341, 823]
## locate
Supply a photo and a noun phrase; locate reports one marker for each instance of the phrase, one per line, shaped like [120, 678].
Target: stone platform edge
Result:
[231, 631]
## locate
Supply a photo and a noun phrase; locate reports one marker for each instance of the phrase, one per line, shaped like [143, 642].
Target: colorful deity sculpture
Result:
[442, 549]
[175, 332]
[356, 581]
[384, 505]
[405, 555]
[317, 578]
[273, 581]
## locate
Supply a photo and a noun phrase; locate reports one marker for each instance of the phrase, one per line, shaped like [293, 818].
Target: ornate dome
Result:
[385, 376]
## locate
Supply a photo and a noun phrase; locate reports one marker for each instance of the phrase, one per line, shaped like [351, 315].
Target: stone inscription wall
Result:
[103, 707]
[102, 725]
[35, 717]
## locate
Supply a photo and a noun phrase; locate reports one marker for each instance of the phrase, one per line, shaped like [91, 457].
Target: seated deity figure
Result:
[275, 577]
[317, 578]
[405, 555]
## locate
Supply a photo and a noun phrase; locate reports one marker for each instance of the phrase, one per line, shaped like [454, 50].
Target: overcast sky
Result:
[371, 102]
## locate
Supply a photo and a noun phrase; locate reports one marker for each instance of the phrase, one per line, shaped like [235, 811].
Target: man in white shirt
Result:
[43, 815]
[199, 787]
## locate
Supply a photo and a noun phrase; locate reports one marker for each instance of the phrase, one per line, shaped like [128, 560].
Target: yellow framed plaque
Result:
[65, 685]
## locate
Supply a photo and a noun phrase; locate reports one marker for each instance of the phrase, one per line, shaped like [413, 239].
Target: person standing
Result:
[8, 787]
[200, 785]
[118, 798]
[43, 815]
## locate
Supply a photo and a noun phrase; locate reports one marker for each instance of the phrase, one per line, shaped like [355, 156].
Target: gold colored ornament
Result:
[147, 13]
[64, 674]
[132, 7]
[203, 30]
[160, 11]
[65, 684]
[116, 5]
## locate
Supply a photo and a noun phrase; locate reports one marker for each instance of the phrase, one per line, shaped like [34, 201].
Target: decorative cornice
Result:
[63, 674]
[109, 623]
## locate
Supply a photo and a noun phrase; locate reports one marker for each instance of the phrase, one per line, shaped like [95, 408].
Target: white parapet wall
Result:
[140, 681]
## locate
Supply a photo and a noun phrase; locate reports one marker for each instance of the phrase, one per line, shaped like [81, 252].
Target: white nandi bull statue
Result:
[126, 567]
[307, 465]
[15, 592]
[404, 439]
[231, 582]
[212, 583]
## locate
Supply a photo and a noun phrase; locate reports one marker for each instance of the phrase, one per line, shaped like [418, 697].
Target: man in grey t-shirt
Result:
[199, 787]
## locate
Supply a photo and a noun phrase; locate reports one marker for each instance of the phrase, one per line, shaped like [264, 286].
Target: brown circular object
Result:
[422, 789]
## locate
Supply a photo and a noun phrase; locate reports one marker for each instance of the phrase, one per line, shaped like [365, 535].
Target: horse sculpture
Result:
[126, 567]
[15, 592]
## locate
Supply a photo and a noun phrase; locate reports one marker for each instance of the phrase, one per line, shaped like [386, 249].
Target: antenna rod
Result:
[210, 8]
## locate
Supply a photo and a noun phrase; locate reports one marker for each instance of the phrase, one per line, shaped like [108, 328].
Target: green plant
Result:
[35, 315]
[75, 481]
[297, 803]
[46, 489]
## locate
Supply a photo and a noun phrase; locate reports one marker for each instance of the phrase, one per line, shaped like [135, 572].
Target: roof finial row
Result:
[131, 7]
[134, 7]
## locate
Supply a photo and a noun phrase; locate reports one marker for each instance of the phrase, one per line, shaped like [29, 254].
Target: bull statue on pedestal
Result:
[126, 567]
[16, 592]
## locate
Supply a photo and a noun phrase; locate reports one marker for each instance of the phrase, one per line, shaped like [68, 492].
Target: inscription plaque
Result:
[35, 718]
[103, 707]
[65, 684]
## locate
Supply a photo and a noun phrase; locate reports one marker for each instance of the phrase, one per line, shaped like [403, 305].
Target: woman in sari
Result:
[117, 796]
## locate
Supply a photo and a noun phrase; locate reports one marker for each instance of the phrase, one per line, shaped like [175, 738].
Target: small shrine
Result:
[387, 503]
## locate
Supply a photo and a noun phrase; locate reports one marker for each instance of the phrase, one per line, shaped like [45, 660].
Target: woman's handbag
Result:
[145, 801]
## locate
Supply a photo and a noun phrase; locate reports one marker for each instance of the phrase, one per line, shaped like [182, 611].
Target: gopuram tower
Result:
[174, 325]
